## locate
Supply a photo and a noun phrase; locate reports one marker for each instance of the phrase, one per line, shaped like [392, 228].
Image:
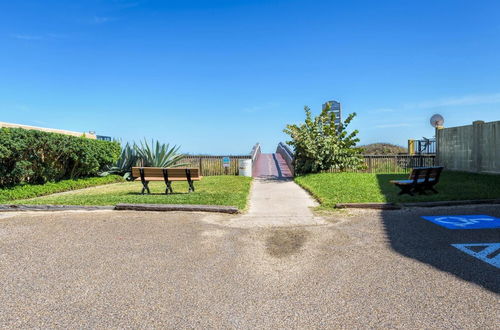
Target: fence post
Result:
[477, 134]
[201, 169]
[411, 147]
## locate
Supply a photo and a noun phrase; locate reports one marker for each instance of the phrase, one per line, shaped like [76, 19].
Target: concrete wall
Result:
[472, 148]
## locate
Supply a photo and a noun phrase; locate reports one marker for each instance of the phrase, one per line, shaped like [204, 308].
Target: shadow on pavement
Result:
[427, 242]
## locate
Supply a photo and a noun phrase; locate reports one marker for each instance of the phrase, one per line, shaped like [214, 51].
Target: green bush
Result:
[321, 145]
[36, 157]
[147, 155]
[31, 191]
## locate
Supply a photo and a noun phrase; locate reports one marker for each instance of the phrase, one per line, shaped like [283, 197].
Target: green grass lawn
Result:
[24, 191]
[211, 190]
[333, 188]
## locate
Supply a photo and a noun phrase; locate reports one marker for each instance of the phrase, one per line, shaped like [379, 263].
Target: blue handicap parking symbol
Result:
[487, 252]
[465, 221]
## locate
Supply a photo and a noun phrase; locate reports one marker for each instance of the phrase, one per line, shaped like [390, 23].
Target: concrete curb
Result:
[392, 206]
[377, 206]
[120, 207]
[177, 207]
[21, 207]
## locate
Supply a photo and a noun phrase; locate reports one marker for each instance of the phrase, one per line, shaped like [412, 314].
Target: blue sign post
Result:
[226, 163]
[465, 221]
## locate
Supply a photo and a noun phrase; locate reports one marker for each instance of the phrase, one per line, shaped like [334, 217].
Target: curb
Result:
[121, 207]
[21, 207]
[177, 207]
[376, 206]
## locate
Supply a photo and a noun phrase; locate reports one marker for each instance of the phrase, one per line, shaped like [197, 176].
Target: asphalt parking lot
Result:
[365, 269]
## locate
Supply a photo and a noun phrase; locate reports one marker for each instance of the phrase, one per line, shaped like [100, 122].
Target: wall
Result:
[51, 130]
[471, 148]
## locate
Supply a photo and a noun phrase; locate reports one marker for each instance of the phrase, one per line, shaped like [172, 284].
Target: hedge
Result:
[32, 191]
[37, 157]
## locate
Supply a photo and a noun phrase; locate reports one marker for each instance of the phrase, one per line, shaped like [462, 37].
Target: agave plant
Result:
[123, 166]
[158, 154]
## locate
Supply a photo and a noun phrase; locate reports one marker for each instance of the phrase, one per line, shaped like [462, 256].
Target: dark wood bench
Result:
[420, 180]
[147, 174]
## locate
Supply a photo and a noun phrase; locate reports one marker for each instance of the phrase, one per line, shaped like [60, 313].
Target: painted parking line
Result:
[487, 252]
[465, 221]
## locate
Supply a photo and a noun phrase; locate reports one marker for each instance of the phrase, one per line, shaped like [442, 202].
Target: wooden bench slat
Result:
[155, 178]
[172, 172]
[420, 179]
[168, 175]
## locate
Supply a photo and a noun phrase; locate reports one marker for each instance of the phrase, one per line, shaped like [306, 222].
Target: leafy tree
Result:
[321, 145]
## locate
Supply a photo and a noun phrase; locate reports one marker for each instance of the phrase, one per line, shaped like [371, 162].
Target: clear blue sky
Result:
[217, 76]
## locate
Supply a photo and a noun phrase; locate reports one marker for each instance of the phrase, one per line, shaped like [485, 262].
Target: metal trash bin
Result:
[245, 167]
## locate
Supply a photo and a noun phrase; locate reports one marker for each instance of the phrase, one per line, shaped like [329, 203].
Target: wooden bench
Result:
[147, 174]
[420, 180]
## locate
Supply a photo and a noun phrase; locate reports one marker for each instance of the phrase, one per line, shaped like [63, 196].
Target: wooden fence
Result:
[213, 165]
[394, 163]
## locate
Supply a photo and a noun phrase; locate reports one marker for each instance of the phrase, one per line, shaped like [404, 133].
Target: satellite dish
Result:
[437, 120]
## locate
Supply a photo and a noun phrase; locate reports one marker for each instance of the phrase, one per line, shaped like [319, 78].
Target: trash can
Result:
[245, 167]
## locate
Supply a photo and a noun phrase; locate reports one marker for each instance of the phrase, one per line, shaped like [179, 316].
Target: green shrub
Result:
[147, 155]
[31, 191]
[158, 154]
[123, 166]
[320, 145]
[37, 157]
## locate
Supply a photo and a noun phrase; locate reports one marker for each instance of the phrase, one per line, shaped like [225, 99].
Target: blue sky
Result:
[217, 76]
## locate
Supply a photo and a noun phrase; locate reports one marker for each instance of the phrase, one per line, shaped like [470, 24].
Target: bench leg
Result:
[431, 188]
[405, 189]
[145, 187]
[420, 190]
[191, 186]
[169, 188]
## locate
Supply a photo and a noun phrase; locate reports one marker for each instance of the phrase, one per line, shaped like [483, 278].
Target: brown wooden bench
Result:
[420, 180]
[147, 174]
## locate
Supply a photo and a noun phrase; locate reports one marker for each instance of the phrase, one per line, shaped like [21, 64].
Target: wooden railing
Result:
[394, 163]
[375, 163]
[213, 165]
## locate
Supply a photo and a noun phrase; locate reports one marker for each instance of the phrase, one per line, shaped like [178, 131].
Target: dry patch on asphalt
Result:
[284, 242]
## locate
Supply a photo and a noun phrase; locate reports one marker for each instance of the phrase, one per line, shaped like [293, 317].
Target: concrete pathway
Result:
[275, 200]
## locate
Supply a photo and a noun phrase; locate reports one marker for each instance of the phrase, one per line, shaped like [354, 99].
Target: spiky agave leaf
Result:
[128, 159]
[158, 154]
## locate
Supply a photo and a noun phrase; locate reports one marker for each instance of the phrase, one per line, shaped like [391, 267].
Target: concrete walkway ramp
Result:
[272, 166]
[278, 203]
[276, 200]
